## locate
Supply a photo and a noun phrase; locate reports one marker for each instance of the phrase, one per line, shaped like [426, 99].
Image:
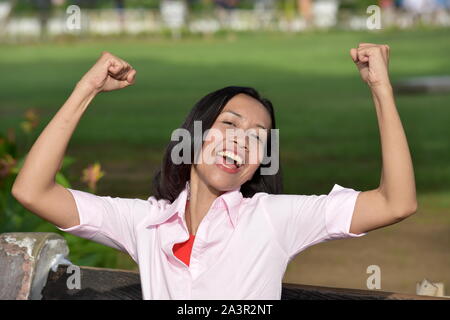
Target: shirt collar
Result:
[227, 200]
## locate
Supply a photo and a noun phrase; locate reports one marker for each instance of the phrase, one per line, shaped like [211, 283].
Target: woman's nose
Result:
[241, 143]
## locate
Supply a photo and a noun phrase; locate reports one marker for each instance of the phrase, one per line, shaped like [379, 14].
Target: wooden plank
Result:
[307, 292]
[96, 284]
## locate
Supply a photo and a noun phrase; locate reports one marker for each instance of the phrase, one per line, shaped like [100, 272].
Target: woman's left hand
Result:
[372, 61]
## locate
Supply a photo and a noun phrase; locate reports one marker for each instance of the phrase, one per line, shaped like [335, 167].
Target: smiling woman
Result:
[221, 228]
[220, 113]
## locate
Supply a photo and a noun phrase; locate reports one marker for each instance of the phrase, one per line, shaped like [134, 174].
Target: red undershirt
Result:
[183, 250]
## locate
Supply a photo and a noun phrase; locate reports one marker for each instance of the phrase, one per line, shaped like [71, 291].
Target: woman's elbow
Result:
[22, 196]
[405, 211]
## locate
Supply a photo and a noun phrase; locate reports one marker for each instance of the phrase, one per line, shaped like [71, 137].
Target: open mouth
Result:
[231, 158]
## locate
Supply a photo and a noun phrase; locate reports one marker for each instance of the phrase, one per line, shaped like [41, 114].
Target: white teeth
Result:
[231, 155]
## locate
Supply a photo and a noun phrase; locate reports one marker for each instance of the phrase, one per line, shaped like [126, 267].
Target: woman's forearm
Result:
[44, 160]
[35, 186]
[397, 182]
[45, 156]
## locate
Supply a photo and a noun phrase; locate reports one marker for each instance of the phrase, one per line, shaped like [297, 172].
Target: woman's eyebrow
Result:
[240, 116]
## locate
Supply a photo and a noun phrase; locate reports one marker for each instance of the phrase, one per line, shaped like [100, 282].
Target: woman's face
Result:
[233, 149]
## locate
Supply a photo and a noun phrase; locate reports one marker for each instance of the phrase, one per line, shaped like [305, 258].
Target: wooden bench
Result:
[34, 266]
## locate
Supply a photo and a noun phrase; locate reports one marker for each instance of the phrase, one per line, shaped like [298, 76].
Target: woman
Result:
[218, 229]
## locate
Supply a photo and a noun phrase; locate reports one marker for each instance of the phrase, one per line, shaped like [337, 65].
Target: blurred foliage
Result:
[357, 5]
[13, 217]
[91, 175]
[287, 7]
[30, 5]
[16, 218]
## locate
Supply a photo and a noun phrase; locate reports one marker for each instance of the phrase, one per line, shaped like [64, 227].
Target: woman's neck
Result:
[201, 198]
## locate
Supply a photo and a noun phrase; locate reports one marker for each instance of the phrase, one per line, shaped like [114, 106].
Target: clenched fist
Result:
[109, 73]
[372, 61]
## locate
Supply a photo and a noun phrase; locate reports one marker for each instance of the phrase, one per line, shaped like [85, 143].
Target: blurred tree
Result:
[5, 21]
[43, 8]
[357, 5]
[88, 3]
[120, 7]
[288, 8]
[227, 4]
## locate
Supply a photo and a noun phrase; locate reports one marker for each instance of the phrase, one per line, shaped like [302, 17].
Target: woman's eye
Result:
[228, 122]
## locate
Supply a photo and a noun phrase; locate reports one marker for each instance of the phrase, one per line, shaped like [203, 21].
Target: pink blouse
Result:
[242, 246]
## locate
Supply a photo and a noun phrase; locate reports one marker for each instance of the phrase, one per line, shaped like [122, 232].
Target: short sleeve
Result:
[107, 220]
[300, 221]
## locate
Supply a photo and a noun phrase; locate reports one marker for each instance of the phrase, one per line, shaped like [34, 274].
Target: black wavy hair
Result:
[170, 179]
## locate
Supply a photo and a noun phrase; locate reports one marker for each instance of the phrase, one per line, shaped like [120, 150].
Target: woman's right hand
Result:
[108, 73]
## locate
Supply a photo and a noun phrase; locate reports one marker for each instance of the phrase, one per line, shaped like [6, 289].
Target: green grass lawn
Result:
[328, 126]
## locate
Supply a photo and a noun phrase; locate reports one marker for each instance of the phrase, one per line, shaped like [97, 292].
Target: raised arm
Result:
[35, 187]
[395, 198]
